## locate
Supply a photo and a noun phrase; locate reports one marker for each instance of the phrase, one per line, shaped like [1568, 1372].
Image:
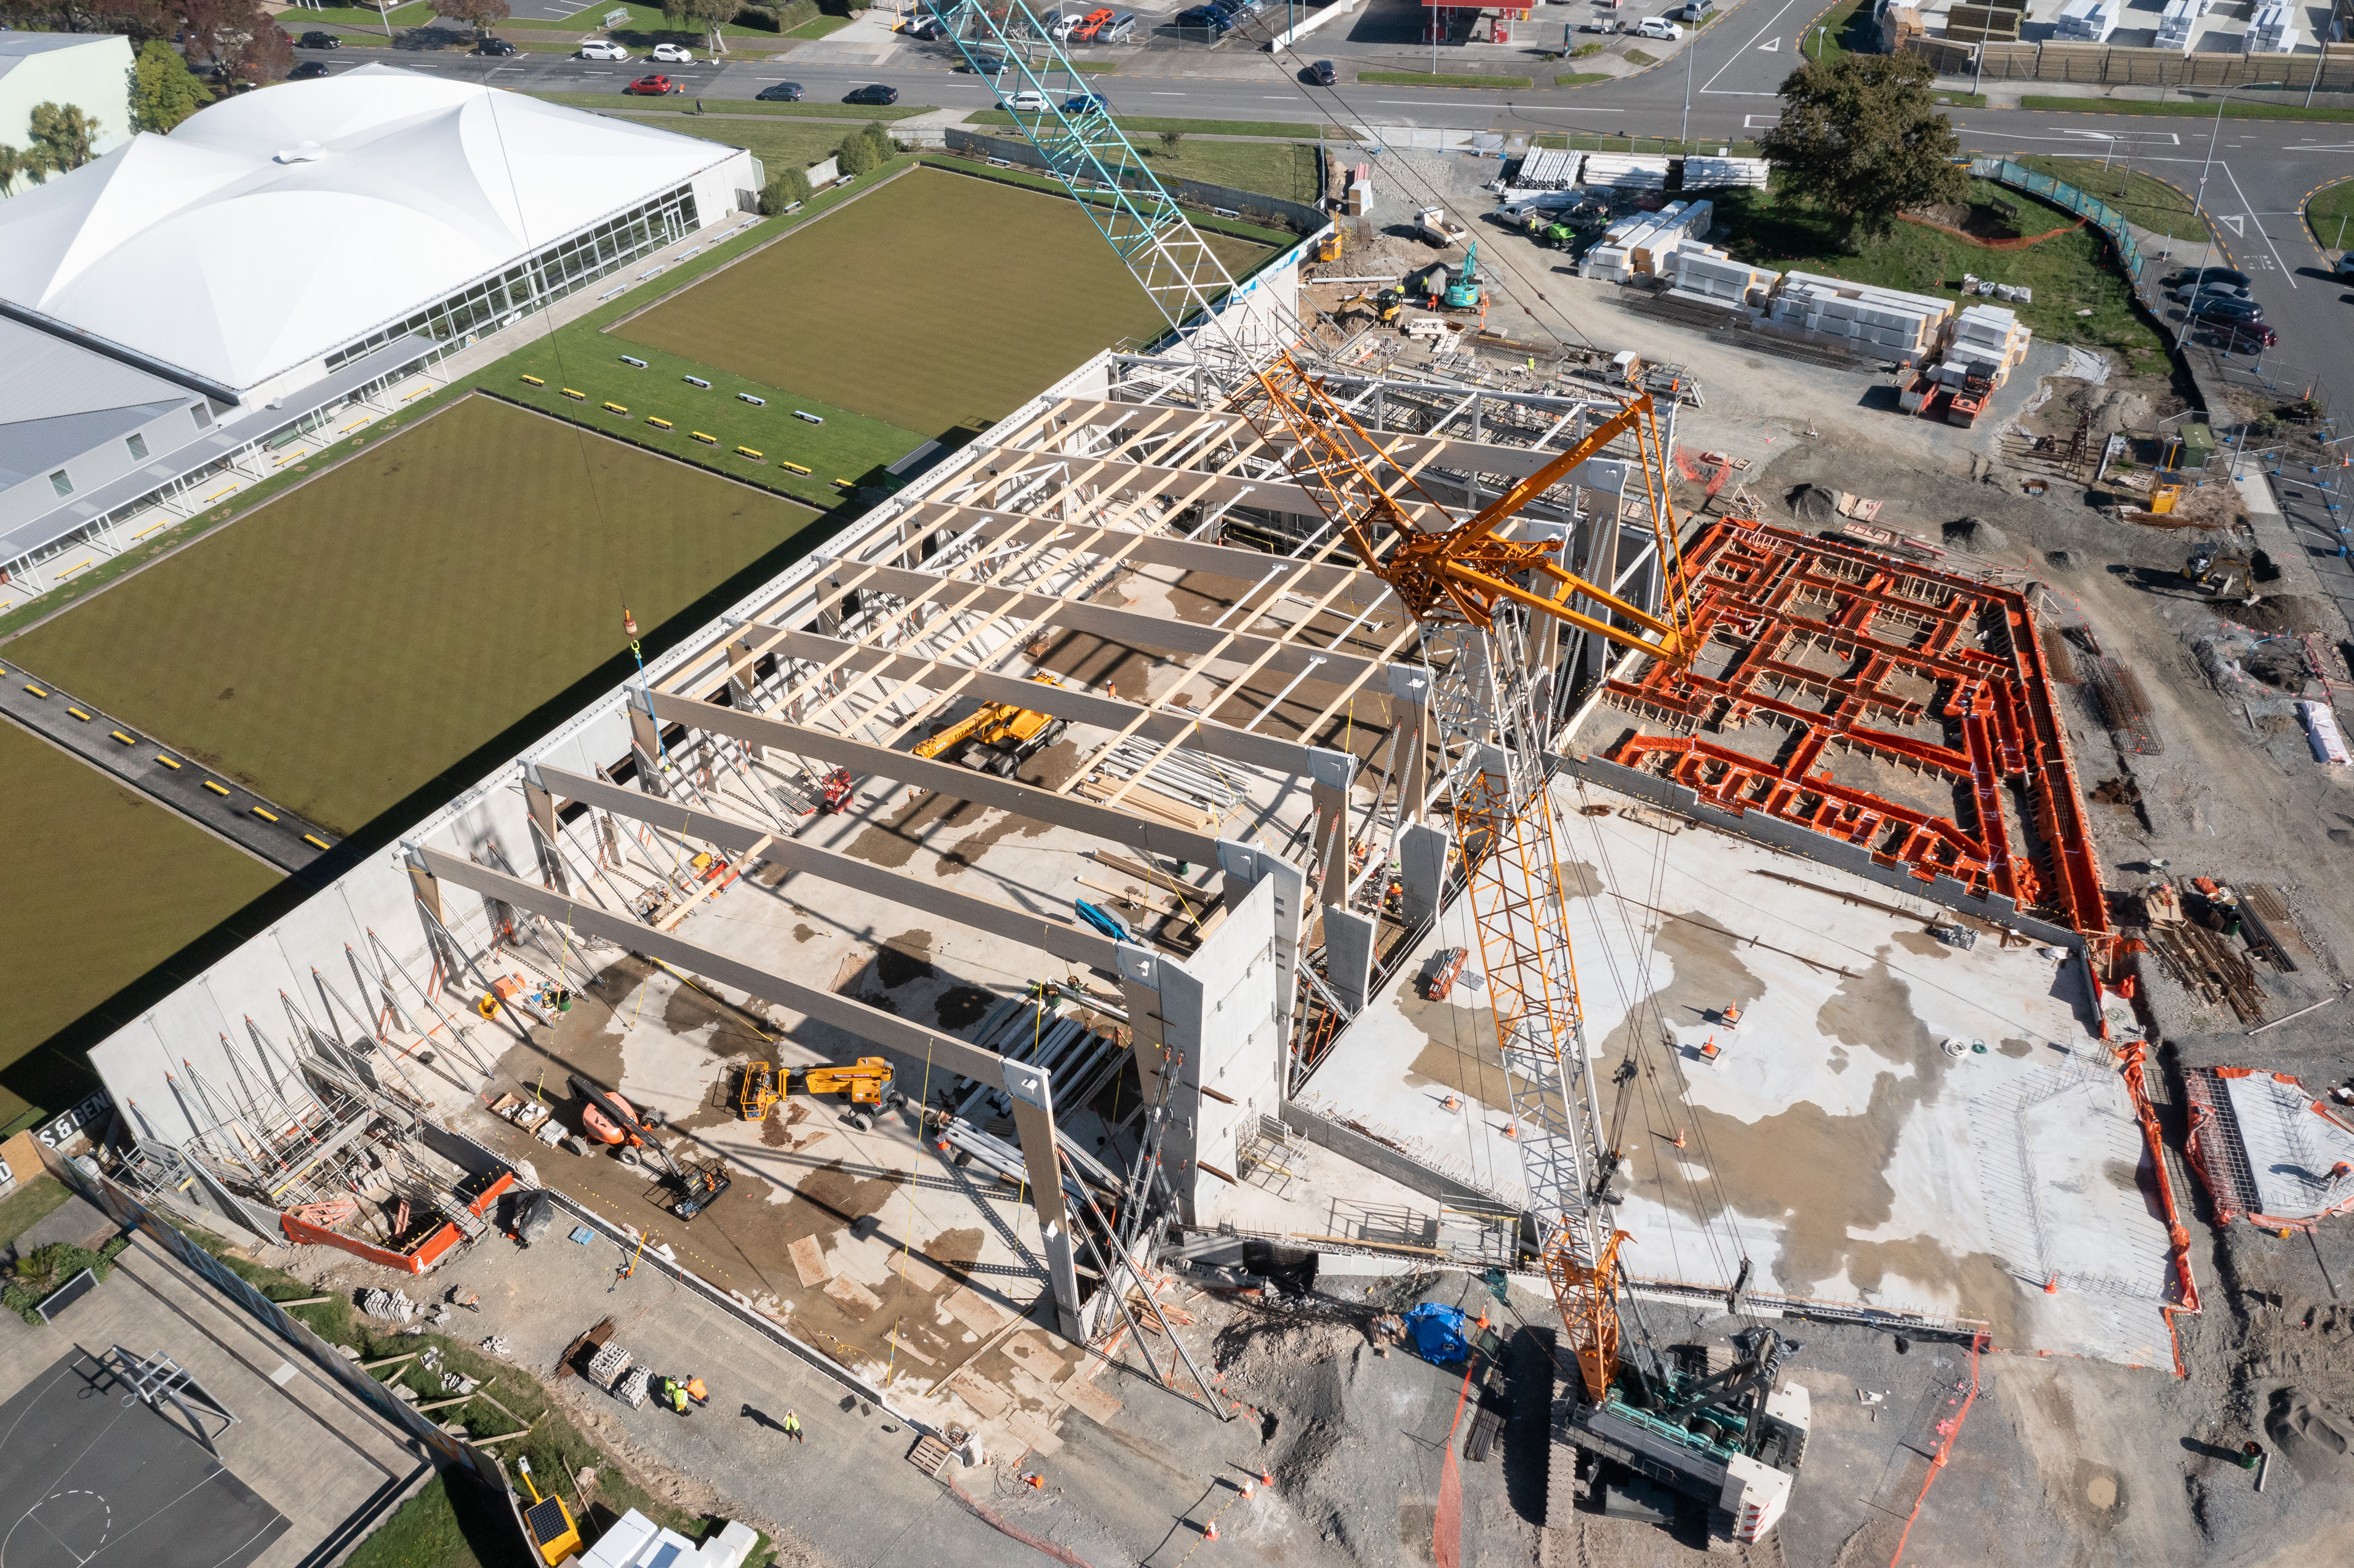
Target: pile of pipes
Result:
[1716, 174]
[1031, 1031]
[1545, 169]
[1628, 171]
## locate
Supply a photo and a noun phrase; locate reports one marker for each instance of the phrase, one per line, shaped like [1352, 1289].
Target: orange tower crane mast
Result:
[1477, 594]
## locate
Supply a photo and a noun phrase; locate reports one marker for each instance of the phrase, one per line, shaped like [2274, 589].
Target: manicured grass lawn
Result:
[1286, 169]
[1669, 144]
[619, 102]
[969, 296]
[103, 886]
[1138, 125]
[2143, 198]
[821, 27]
[355, 640]
[1580, 77]
[30, 1204]
[1846, 28]
[2234, 110]
[2331, 215]
[2069, 272]
[1638, 57]
[1441, 78]
[301, 19]
[1958, 99]
[776, 143]
[1095, 68]
[648, 20]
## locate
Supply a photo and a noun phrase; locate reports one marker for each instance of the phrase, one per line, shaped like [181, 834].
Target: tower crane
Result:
[1483, 601]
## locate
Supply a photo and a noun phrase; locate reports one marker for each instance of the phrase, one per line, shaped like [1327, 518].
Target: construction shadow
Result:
[1528, 1429]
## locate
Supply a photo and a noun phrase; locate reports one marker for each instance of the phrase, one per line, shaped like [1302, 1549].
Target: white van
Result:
[1120, 29]
[1658, 28]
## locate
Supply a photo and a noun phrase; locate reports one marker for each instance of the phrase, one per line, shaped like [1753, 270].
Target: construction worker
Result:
[674, 1393]
[792, 1426]
[694, 1391]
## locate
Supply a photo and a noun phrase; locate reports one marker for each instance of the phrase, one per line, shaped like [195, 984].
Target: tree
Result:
[479, 15]
[784, 189]
[1860, 138]
[1169, 142]
[235, 40]
[19, 163]
[62, 134]
[855, 156]
[878, 143]
[163, 93]
[708, 16]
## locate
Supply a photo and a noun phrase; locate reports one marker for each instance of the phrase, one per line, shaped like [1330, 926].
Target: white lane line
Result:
[2260, 227]
[1157, 93]
[1710, 85]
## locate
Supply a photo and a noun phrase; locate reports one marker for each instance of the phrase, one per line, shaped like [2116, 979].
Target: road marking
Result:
[1760, 122]
[1710, 85]
[2260, 227]
[2238, 224]
[1771, 48]
[1157, 93]
[2319, 147]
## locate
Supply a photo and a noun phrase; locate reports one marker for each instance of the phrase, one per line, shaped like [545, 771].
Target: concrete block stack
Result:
[2272, 30]
[2087, 21]
[1990, 339]
[2179, 24]
[1626, 172]
[1704, 269]
[1872, 320]
[1719, 173]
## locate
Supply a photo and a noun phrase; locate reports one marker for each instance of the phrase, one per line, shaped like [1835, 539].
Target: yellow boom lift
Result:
[1006, 736]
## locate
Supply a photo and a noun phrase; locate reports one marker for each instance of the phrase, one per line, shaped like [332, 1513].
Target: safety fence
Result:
[2108, 219]
[2331, 71]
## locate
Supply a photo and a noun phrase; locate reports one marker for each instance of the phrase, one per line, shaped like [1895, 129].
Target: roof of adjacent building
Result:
[16, 48]
[58, 400]
[279, 225]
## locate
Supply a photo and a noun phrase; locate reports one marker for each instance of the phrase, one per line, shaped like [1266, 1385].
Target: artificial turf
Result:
[361, 636]
[935, 302]
[104, 884]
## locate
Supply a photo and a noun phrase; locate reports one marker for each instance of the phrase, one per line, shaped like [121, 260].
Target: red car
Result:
[652, 86]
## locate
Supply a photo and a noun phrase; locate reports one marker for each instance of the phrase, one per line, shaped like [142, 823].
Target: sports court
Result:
[261, 1462]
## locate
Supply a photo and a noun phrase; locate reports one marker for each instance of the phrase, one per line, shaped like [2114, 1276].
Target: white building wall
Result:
[94, 75]
[715, 188]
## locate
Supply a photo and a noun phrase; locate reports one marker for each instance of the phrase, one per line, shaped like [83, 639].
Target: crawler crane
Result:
[1488, 605]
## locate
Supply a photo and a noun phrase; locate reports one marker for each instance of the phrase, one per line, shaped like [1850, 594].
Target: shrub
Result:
[854, 156]
[39, 1276]
[784, 188]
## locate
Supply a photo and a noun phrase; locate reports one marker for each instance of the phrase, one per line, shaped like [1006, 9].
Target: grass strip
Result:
[2145, 199]
[2232, 109]
[1152, 125]
[1209, 223]
[2329, 215]
[619, 102]
[1442, 78]
[1580, 77]
[1638, 57]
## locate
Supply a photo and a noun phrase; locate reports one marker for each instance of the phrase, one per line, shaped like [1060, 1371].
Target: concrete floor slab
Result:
[1891, 1121]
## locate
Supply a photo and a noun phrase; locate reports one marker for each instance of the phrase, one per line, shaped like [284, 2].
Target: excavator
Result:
[1006, 736]
[1487, 598]
[2227, 576]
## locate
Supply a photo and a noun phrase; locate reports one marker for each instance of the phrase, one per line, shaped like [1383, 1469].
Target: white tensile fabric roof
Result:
[281, 225]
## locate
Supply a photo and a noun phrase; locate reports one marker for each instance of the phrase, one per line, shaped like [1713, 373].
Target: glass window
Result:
[138, 447]
[202, 414]
[59, 482]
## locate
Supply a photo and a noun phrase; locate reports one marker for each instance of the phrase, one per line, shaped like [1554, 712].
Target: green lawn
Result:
[647, 20]
[105, 886]
[1442, 78]
[2069, 272]
[619, 102]
[302, 18]
[1286, 169]
[30, 1204]
[1095, 68]
[1580, 77]
[776, 143]
[2331, 214]
[820, 27]
[2233, 109]
[1141, 125]
[2143, 198]
[974, 295]
[1958, 99]
[1638, 57]
[400, 613]
[1667, 144]
[1846, 28]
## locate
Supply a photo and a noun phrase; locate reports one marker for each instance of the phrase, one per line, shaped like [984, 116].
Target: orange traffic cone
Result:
[1246, 1487]
[1210, 1531]
[1679, 1137]
[1267, 1478]
[2051, 1286]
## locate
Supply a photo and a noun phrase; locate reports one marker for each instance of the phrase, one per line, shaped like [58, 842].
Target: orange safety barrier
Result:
[2135, 1055]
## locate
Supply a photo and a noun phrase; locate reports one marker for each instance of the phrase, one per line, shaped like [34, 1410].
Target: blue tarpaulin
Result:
[1437, 1333]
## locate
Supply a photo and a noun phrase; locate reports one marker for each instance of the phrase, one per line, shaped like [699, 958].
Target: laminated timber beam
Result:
[1056, 938]
[944, 778]
[1159, 725]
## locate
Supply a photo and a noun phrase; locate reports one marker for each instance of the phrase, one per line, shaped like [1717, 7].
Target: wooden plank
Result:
[808, 1261]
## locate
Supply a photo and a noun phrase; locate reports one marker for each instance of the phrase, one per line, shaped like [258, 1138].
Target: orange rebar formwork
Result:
[1921, 670]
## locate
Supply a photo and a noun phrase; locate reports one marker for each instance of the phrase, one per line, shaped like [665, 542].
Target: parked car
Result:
[652, 86]
[780, 92]
[1120, 29]
[2211, 312]
[2231, 275]
[1658, 28]
[1061, 28]
[670, 54]
[878, 93]
[2346, 265]
[1695, 11]
[2210, 288]
[1322, 74]
[322, 40]
[1204, 16]
[1092, 25]
[499, 47]
[2242, 337]
[308, 70]
[1025, 103]
[1085, 102]
[603, 49]
[984, 65]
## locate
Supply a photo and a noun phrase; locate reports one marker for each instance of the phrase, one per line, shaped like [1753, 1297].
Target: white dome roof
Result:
[279, 225]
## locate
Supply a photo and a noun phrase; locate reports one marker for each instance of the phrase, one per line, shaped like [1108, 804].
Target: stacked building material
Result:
[1989, 24]
[1872, 320]
[1704, 269]
[1990, 339]
[2272, 30]
[1626, 172]
[2179, 24]
[1546, 169]
[2087, 21]
[1361, 190]
[1717, 173]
